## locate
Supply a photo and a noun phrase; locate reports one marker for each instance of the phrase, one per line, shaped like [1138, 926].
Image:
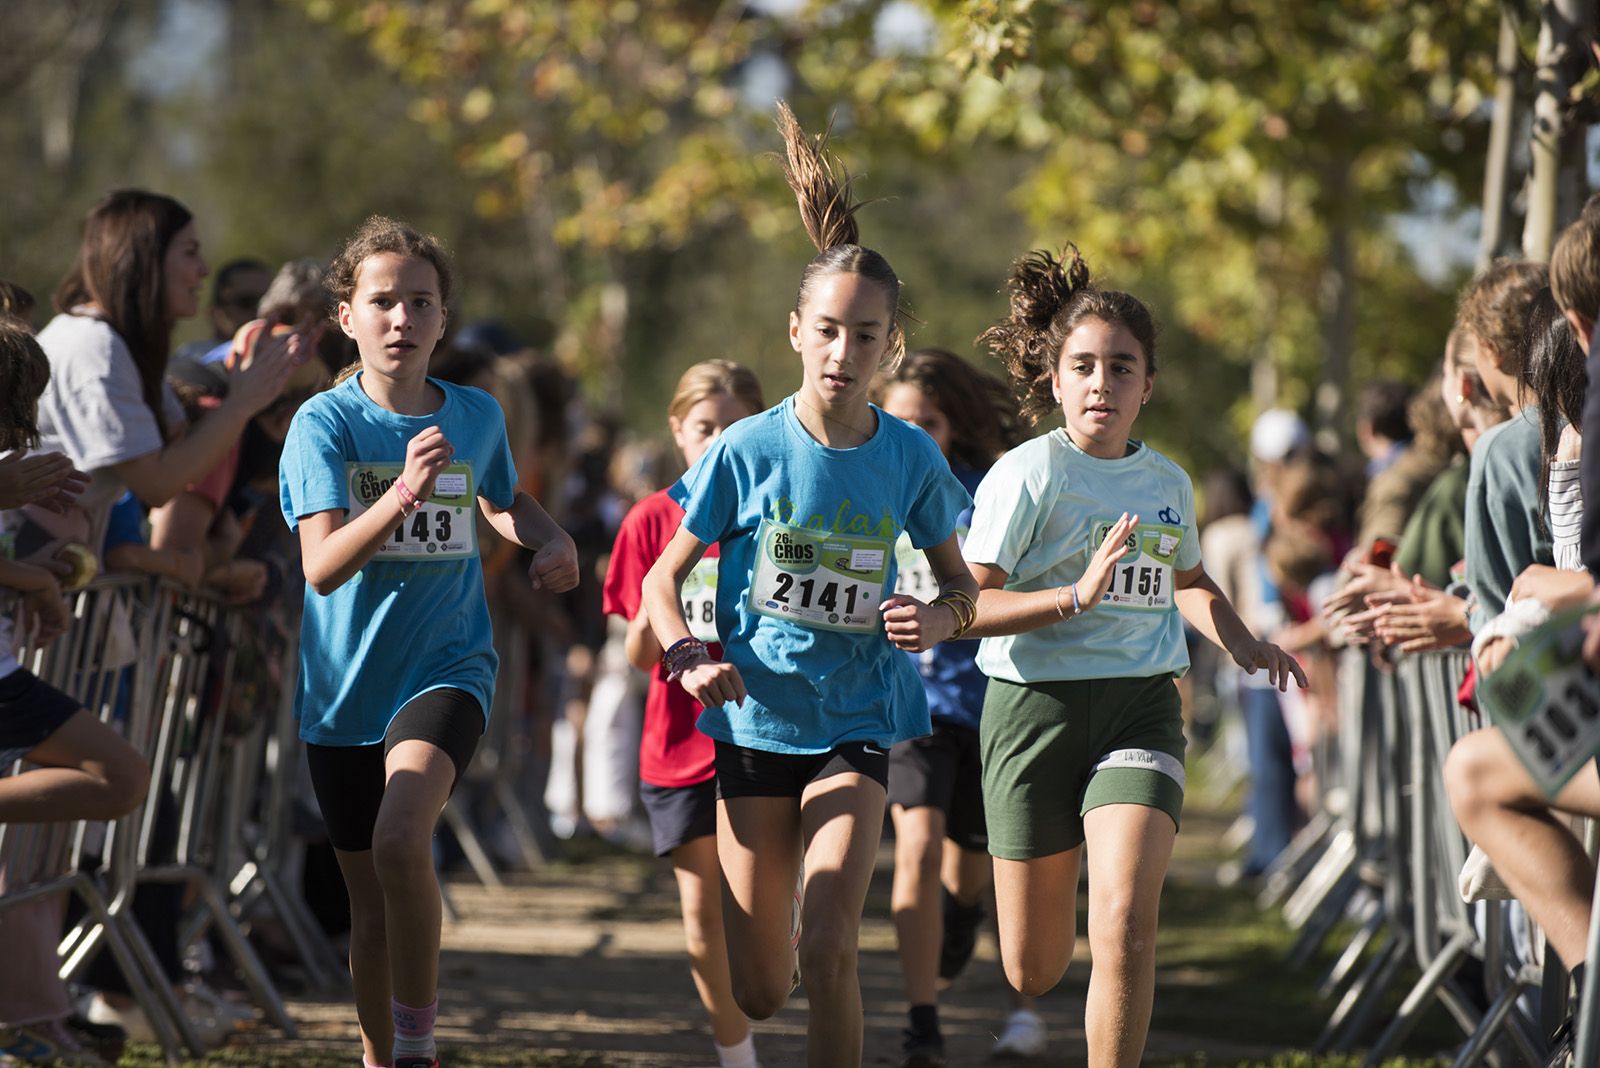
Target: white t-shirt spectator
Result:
[94, 410]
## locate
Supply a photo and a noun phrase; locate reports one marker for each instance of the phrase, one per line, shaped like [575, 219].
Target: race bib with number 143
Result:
[444, 528]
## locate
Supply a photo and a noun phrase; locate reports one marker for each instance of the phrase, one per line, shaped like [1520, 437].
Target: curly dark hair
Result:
[823, 187]
[1049, 298]
[24, 372]
[979, 407]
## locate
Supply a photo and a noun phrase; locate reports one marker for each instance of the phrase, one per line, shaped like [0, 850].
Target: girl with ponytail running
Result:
[807, 501]
[1084, 545]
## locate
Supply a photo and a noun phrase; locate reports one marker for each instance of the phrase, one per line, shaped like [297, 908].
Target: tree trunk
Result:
[1338, 309]
[1499, 159]
[1563, 36]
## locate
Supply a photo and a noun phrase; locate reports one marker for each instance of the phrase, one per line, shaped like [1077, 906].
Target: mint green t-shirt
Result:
[1041, 512]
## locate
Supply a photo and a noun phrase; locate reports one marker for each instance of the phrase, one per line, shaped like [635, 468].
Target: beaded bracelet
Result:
[681, 655]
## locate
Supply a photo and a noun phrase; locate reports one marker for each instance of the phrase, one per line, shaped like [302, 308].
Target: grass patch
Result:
[257, 1057]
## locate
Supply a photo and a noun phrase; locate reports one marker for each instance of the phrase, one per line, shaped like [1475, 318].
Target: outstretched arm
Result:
[1207, 610]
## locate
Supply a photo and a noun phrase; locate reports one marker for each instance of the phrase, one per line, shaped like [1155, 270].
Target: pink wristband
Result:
[408, 500]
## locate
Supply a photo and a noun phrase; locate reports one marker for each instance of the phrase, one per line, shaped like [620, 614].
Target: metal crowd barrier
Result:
[157, 661]
[1385, 855]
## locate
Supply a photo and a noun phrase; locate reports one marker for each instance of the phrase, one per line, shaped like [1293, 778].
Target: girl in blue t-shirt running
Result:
[807, 501]
[384, 475]
[1084, 545]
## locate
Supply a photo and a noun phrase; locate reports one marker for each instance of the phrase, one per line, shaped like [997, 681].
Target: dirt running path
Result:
[586, 960]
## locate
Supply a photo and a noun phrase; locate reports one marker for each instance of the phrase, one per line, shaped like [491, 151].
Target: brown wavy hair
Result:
[1575, 263]
[121, 267]
[378, 235]
[1496, 308]
[824, 189]
[24, 372]
[979, 407]
[1049, 298]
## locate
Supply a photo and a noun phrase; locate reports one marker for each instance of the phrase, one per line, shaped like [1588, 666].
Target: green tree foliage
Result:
[1237, 160]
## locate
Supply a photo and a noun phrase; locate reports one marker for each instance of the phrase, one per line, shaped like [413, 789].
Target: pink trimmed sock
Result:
[413, 1029]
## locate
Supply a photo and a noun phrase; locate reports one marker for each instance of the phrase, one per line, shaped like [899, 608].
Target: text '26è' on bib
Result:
[1143, 578]
[819, 579]
[444, 528]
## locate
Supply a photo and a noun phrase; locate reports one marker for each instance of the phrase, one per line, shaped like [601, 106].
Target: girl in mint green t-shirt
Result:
[1081, 734]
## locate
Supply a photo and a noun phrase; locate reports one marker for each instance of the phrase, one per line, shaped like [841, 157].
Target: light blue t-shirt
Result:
[1041, 512]
[414, 617]
[808, 536]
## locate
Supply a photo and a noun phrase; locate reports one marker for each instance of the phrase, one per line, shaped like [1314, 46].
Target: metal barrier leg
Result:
[1339, 902]
[1366, 991]
[1586, 1052]
[1333, 867]
[244, 957]
[533, 853]
[322, 969]
[471, 845]
[1372, 921]
[1443, 966]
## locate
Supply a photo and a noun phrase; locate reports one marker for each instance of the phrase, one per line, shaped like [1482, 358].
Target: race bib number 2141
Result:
[819, 579]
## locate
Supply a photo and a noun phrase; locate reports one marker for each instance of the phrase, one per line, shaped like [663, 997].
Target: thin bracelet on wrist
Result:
[1060, 612]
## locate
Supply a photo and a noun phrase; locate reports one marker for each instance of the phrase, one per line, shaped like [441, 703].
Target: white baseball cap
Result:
[1277, 433]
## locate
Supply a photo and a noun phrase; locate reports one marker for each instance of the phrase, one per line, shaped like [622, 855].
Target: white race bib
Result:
[1546, 702]
[700, 600]
[819, 579]
[444, 528]
[1143, 578]
[914, 576]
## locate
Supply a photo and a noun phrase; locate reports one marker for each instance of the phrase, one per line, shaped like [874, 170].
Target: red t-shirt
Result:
[671, 751]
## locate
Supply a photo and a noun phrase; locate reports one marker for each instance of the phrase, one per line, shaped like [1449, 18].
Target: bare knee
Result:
[827, 954]
[761, 996]
[400, 851]
[1031, 976]
[1470, 772]
[919, 853]
[1120, 929]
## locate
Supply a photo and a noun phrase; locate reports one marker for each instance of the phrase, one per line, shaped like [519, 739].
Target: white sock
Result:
[741, 1054]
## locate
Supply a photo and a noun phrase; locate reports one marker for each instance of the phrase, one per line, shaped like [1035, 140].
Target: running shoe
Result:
[47, 1043]
[1024, 1035]
[918, 1050]
[961, 924]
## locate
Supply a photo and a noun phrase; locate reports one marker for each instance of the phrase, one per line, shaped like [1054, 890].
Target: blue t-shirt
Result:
[808, 536]
[414, 617]
[126, 523]
[951, 677]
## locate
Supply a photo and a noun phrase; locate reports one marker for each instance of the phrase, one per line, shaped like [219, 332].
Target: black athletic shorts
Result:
[679, 814]
[31, 710]
[944, 770]
[349, 779]
[743, 772]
